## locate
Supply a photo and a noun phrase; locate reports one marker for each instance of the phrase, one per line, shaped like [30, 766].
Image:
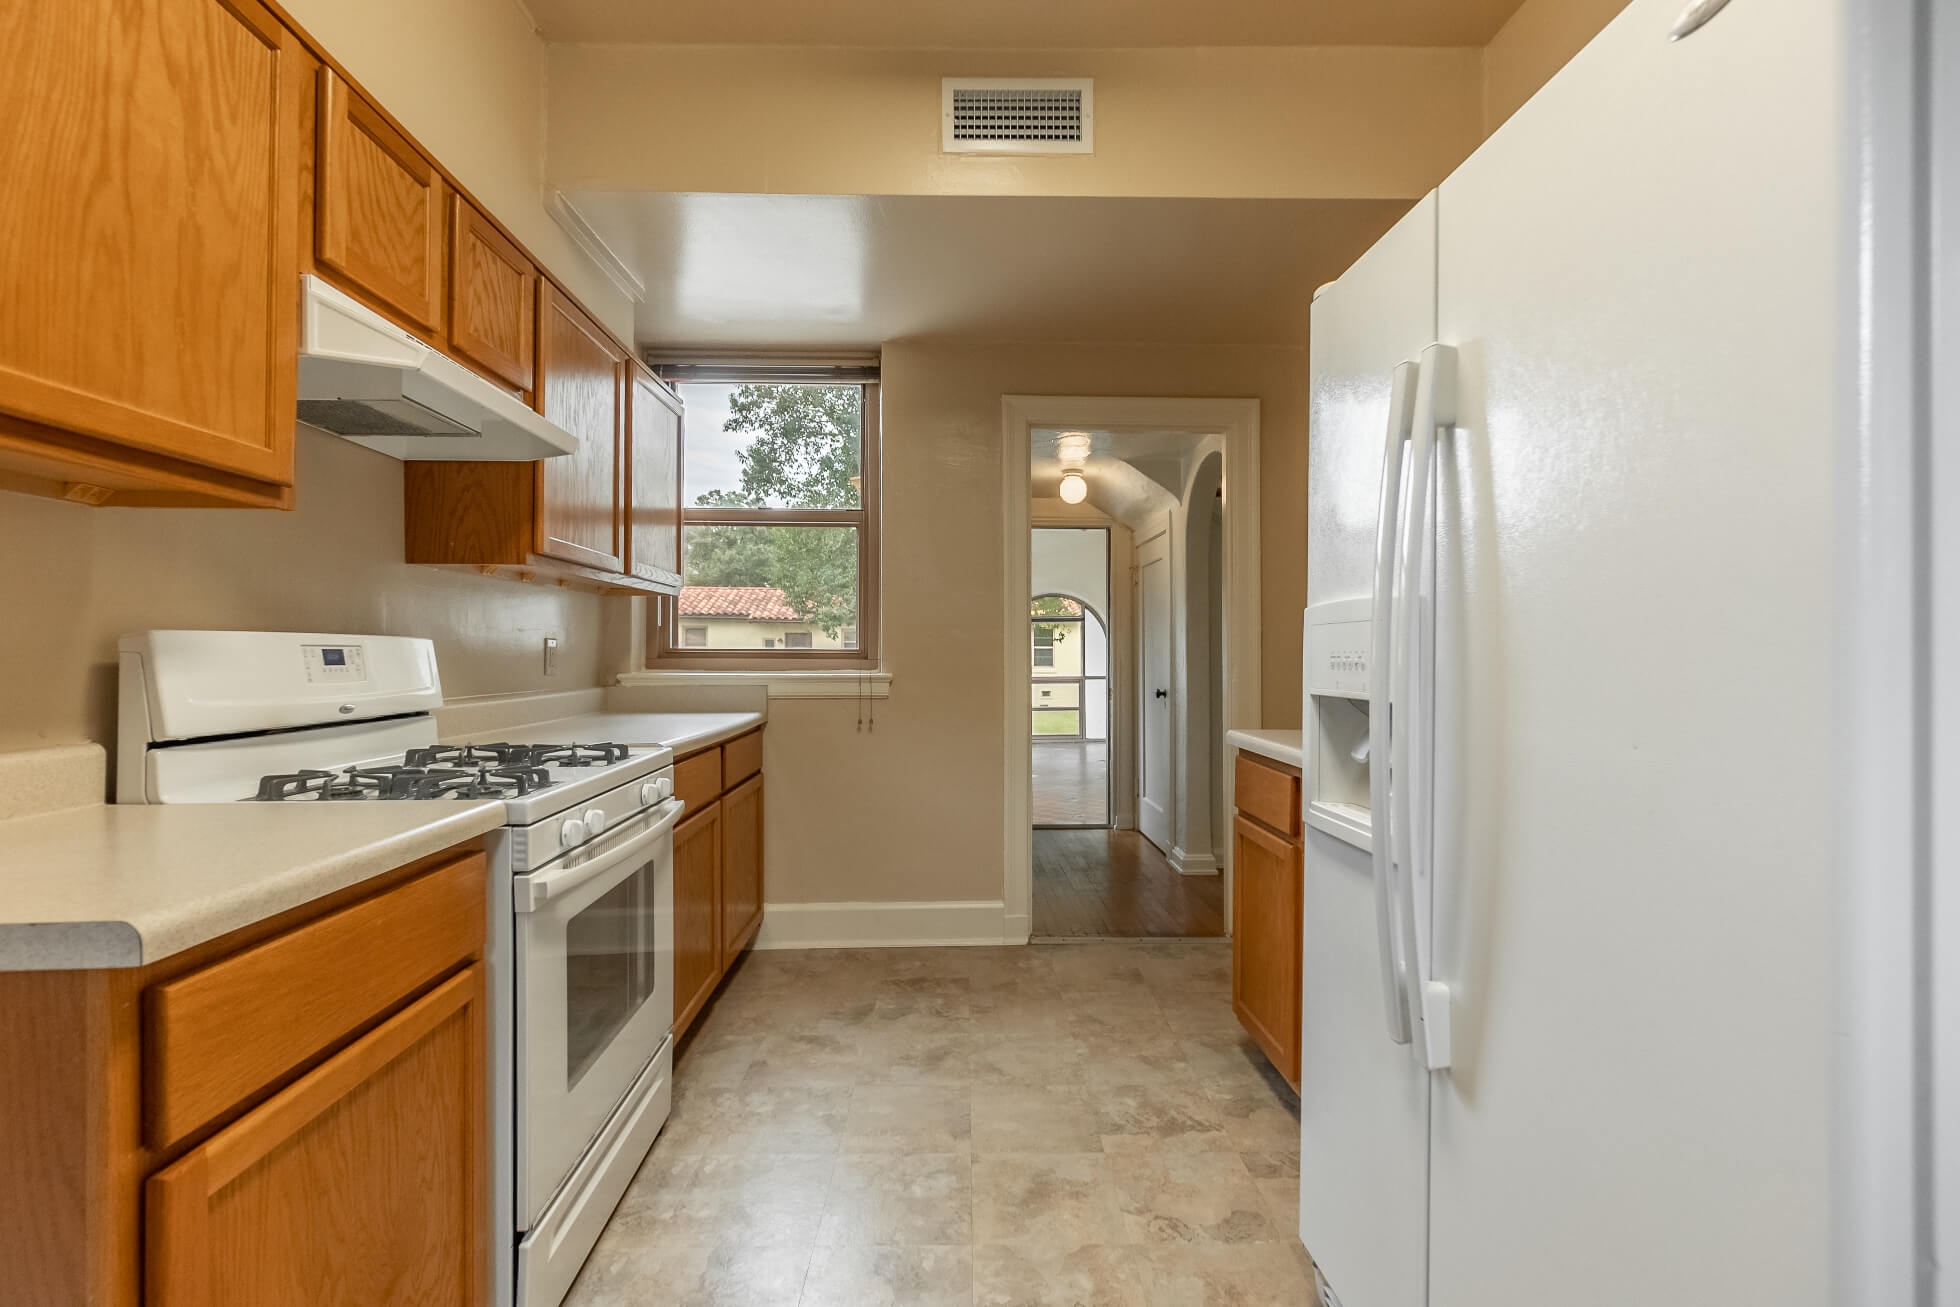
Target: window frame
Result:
[1081, 623]
[663, 654]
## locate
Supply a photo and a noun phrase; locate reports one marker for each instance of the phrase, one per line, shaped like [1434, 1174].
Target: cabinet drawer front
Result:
[150, 261]
[741, 758]
[380, 208]
[365, 1181]
[216, 1036]
[493, 299]
[1263, 792]
[697, 779]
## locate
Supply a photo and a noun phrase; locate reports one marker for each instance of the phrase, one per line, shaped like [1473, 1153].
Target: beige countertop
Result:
[1280, 746]
[683, 732]
[122, 885]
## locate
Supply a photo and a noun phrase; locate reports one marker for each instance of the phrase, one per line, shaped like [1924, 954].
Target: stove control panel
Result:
[330, 664]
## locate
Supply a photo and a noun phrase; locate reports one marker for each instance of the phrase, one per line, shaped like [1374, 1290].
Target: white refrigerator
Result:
[1597, 907]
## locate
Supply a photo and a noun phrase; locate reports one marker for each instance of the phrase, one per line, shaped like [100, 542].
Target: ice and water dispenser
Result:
[1339, 647]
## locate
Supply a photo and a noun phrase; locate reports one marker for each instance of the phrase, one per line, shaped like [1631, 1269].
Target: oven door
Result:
[595, 992]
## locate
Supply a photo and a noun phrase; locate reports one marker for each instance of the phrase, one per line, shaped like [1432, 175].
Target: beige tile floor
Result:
[1082, 1125]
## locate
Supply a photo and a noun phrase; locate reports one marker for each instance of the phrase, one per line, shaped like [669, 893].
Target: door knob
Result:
[1163, 694]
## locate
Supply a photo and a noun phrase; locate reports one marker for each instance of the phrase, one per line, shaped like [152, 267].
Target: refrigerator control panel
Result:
[1339, 642]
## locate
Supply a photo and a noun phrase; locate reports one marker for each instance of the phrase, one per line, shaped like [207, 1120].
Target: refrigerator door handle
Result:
[1415, 736]
[1381, 705]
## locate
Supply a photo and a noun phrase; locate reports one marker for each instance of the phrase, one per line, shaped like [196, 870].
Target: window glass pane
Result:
[1057, 721]
[772, 446]
[1057, 694]
[763, 587]
[1057, 648]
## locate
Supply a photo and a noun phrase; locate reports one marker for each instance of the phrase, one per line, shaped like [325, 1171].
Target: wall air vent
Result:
[1028, 115]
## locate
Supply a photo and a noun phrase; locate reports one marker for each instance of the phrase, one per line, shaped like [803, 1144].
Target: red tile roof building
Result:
[751, 603]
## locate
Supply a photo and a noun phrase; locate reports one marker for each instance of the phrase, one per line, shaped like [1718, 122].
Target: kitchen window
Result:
[779, 520]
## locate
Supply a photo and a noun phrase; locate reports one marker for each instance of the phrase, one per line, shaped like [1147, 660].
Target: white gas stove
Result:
[580, 918]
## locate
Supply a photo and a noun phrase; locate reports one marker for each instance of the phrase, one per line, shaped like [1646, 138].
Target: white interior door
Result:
[1633, 667]
[1364, 1103]
[1155, 778]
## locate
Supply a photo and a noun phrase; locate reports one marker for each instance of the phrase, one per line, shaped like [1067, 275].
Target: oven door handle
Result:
[529, 893]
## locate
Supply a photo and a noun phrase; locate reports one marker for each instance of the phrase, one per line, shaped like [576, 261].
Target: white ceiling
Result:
[854, 271]
[1024, 24]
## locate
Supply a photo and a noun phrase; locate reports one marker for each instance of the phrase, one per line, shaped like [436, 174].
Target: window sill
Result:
[838, 684]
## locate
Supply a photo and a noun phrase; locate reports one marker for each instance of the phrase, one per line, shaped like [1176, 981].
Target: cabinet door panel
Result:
[653, 444]
[379, 224]
[581, 496]
[493, 299]
[1266, 875]
[697, 924]
[149, 259]
[365, 1181]
[741, 866]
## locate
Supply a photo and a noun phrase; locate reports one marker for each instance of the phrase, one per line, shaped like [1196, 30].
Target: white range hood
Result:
[362, 377]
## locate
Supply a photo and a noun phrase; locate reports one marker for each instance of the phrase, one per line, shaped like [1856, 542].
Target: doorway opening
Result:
[1125, 671]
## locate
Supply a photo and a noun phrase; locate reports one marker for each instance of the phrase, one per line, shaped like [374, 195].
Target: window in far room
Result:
[780, 516]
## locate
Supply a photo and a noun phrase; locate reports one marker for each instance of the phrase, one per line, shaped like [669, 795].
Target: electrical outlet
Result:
[550, 656]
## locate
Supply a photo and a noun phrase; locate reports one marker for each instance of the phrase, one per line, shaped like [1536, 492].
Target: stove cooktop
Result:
[445, 771]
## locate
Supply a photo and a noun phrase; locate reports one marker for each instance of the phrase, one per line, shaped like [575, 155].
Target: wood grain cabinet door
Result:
[653, 455]
[365, 1181]
[697, 924]
[581, 496]
[1266, 878]
[493, 299]
[380, 221]
[149, 257]
[741, 866]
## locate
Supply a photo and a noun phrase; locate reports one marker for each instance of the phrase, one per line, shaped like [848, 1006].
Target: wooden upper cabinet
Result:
[581, 496]
[365, 1181]
[379, 219]
[149, 254]
[653, 454]
[493, 299]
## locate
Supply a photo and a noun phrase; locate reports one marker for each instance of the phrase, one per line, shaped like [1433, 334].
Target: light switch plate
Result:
[550, 656]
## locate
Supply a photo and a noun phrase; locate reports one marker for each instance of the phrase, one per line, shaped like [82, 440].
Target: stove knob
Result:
[572, 832]
[595, 821]
[649, 794]
[666, 787]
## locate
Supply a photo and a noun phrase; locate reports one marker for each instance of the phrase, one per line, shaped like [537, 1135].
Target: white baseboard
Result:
[885, 925]
[1193, 864]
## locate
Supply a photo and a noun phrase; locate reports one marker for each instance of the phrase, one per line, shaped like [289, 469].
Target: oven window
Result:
[609, 968]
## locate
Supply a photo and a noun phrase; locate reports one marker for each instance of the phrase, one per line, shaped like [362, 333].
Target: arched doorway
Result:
[1069, 723]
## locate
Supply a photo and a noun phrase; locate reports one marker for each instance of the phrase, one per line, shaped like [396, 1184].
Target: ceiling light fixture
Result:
[1072, 448]
[1074, 488]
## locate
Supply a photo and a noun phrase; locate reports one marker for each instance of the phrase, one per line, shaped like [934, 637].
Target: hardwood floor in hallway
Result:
[1071, 782]
[1116, 883]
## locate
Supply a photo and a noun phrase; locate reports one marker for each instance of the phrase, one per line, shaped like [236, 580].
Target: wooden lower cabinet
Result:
[365, 1181]
[697, 923]
[340, 1158]
[741, 865]
[1267, 880]
[718, 868]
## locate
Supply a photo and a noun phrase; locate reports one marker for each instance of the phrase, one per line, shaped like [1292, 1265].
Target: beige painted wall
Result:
[81, 577]
[911, 810]
[1540, 38]
[467, 78]
[1347, 122]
